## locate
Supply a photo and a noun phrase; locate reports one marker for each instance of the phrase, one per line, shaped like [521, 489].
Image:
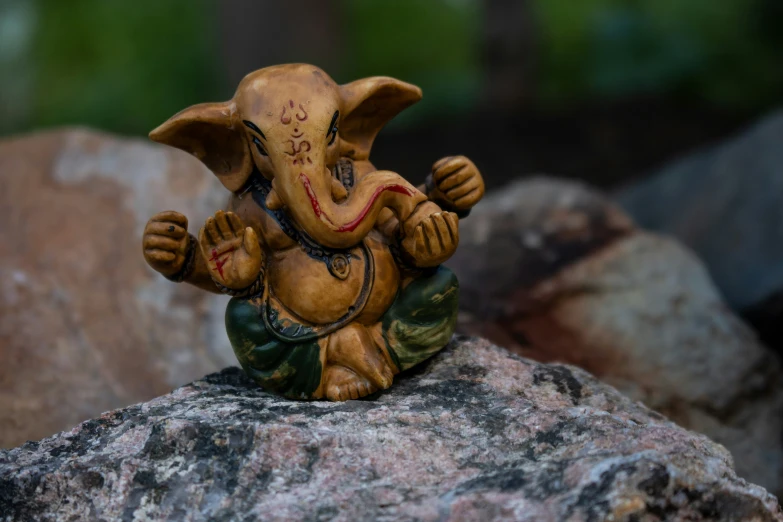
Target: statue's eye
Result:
[259, 146]
[253, 127]
[331, 134]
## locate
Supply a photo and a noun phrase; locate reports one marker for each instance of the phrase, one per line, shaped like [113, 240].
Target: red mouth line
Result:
[297, 136]
[352, 225]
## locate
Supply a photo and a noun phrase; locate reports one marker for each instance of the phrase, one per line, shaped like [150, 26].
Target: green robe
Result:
[418, 324]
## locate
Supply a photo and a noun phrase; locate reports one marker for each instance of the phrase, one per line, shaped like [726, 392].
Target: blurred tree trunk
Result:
[509, 54]
[259, 33]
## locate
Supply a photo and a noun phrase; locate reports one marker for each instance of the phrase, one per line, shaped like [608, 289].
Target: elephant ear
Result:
[208, 132]
[368, 105]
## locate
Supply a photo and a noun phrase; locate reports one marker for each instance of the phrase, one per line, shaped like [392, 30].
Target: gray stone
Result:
[554, 271]
[726, 203]
[85, 325]
[476, 434]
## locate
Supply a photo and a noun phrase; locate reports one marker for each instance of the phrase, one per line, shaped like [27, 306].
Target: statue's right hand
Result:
[232, 250]
[166, 242]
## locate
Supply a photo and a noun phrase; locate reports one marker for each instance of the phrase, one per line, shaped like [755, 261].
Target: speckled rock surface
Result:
[476, 434]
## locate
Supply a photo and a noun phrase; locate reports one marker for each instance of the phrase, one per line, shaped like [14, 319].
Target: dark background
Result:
[604, 90]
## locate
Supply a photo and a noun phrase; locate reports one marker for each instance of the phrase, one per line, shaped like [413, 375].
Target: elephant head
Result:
[293, 123]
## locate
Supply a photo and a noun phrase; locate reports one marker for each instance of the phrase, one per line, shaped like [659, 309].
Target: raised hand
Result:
[434, 239]
[166, 242]
[231, 250]
[457, 183]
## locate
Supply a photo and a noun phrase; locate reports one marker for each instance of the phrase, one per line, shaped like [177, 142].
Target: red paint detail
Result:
[283, 119]
[219, 263]
[291, 103]
[309, 161]
[215, 255]
[304, 111]
[313, 198]
[297, 136]
[296, 149]
[296, 161]
[350, 227]
[400, 189]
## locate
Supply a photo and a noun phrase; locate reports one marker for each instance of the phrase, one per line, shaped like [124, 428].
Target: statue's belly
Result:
[305, 286]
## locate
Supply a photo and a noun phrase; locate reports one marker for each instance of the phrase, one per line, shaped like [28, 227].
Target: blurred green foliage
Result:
[125, 66]
[118, 65]
[724, 52]
[435, 44]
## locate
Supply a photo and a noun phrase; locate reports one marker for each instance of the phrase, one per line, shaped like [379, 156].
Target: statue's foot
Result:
[355, 365]
[376, 332]
[342, 384]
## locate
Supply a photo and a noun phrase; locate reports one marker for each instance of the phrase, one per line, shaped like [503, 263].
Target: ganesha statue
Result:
[334, 267]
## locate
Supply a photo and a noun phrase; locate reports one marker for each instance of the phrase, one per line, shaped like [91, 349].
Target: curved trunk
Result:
[342, 225]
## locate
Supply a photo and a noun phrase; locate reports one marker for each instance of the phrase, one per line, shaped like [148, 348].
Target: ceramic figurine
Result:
[334, 266]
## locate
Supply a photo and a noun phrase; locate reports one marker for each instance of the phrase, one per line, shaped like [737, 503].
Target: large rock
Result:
[477, 434]
[554, 271]
[85, 325]
[726, 203]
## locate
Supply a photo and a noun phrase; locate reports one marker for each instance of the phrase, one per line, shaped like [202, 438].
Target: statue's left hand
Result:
[457, 183]
[232, 251]
[434, 239]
